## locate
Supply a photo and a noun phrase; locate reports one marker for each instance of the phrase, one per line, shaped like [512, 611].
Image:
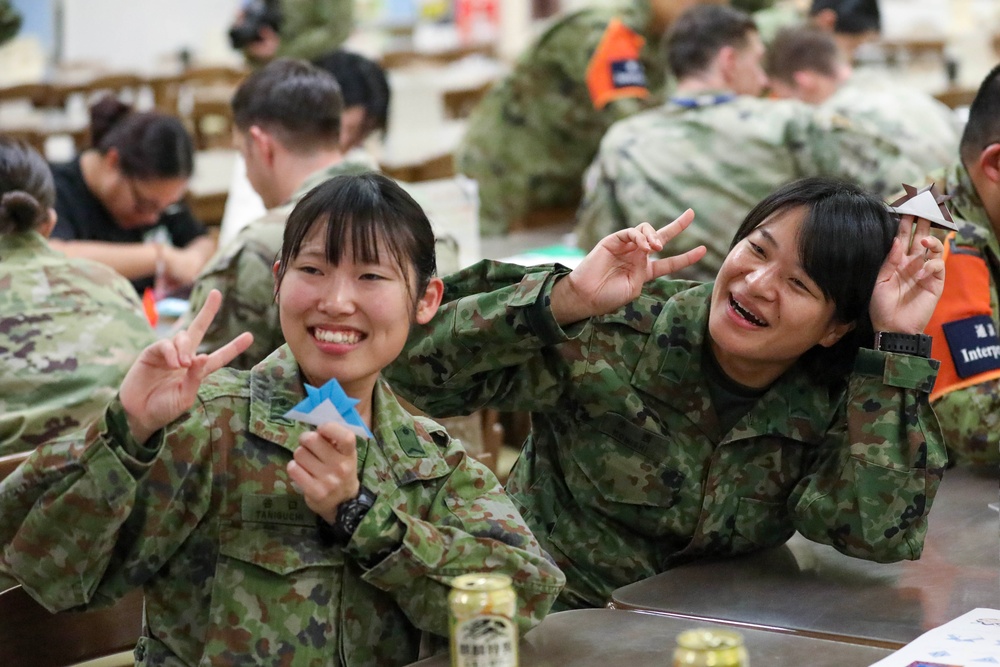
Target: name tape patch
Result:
[974, 345]
[627, 74]
[279, 509]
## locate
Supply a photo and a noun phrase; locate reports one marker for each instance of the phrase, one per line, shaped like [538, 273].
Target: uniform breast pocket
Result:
[276, 593]
[759, 524]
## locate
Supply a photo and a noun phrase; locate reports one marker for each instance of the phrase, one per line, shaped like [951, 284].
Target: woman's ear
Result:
[45, 229]
[430, 300]
[836, 332]
[274, 271]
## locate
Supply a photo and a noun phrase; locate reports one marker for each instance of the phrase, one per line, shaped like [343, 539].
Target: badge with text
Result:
[974, 345]
[329, 403]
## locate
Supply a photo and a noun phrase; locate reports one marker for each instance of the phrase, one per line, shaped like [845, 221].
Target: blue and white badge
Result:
[974, 345]
[627, 73]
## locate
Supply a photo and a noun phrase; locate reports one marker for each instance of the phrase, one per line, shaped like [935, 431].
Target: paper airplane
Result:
[327, 404]
[925, 203]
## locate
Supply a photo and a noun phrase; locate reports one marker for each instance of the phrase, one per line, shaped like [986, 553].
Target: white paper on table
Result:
[971, 640]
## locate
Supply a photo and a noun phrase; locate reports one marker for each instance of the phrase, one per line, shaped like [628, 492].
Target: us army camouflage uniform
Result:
[720, 160]
[923, 128]
[970, 417]
[204, 517]
[314, 27]
[242, 271]
[626, 472]
[531, 138]
[69, 331]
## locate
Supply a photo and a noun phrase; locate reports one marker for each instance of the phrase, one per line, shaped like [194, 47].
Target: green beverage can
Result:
[709, 647]
[483, 631]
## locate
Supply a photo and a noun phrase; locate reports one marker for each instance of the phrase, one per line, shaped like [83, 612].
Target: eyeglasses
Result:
[140, 203]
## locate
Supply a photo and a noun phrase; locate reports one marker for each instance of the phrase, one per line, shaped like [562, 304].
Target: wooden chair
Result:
[204, 96]
[30, 635]
[10, 462]
[956, 97]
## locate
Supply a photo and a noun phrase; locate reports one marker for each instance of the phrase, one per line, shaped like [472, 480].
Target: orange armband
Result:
[615, 71]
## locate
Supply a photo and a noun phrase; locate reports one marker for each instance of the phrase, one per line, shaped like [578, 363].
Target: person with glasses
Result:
[120, 201]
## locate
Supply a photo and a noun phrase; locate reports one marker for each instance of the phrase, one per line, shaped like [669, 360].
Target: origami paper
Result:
[925, 203]
[329, 403]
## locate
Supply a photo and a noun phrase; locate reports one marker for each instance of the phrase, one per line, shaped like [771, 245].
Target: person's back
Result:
[69, 328]
[718, 151]
[530, 139]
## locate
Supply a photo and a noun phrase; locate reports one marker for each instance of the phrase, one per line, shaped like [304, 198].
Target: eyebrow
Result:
[767, 235]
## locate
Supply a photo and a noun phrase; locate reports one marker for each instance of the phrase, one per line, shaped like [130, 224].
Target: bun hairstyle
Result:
[150, 145]
[27, 190]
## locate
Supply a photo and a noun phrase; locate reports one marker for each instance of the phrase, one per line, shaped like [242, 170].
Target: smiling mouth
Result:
[339, 337]
[746, 314]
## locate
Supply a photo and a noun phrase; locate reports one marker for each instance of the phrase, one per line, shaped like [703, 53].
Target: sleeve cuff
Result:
[898, 370]
[135, 455]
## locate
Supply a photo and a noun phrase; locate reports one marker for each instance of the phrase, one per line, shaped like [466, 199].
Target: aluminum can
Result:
[483, 631]
[709, 647]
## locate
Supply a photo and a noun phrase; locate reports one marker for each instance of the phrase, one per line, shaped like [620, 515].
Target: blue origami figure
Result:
[329, 403]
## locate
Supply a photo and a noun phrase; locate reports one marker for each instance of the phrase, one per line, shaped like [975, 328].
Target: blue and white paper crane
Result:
[329, 403]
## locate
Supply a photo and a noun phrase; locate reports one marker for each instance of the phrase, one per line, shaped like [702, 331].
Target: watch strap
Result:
[917, 345]
[349, 516]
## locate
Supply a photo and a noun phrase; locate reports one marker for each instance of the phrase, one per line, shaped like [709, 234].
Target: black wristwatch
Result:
[917, 345]
[349, 515]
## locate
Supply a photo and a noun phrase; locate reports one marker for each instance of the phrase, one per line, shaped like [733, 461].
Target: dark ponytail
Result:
[27, 190]
[150, 144]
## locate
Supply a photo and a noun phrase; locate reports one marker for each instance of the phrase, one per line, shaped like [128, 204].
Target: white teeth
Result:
[342, 337]
[750, 317]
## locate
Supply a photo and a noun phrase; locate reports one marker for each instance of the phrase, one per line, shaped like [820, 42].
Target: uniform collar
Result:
[965, 202]
[669, 370]
[29, 242]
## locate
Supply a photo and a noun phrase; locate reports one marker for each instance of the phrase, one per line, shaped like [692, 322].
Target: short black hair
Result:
[362, 212]
[845, 237]
[697, 36]
[150, 144]
[798, 49]
[362, 83]
[983, 126]
[854, 17]
[294, 100]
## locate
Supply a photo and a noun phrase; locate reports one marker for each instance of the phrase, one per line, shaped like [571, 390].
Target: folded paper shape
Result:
[925, 203]
[329, 403]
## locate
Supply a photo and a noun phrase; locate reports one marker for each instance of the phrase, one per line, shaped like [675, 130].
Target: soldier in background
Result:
[530, 139]
[69, 328]
[287, 117]
[717, 148]
[10, 21]
[306, 29]
[966, 397]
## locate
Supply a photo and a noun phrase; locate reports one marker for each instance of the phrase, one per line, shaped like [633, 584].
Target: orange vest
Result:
[615, 71]
[965, 339]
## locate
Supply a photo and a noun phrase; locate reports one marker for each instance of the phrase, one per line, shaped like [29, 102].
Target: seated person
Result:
[268, 29]
[119, 201]
[673, 421]
[256, 538]
[718, 148]
[69, 328]
[287, 129]
[805, 64]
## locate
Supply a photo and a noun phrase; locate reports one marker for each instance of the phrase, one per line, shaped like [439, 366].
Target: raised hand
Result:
[910, 280]
[163, 382]
[613, 273]
[325, 466]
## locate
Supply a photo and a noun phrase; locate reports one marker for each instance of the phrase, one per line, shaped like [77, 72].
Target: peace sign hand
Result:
[163, 382]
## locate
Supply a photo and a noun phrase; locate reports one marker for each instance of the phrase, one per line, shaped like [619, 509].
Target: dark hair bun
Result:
[19, 212]
[105, 113]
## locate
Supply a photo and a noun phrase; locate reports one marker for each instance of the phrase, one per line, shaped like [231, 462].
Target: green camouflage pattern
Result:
[204, 517]
[720, 160]
[924, 129]
[10, 21]
[530, 139]
[69, 331]
[314, 27]
[626, 472]
[970, 417]
[243, 272]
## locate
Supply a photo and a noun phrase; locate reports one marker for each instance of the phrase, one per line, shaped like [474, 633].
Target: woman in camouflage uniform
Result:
[69, 328]
[258, 540]
[673, 421]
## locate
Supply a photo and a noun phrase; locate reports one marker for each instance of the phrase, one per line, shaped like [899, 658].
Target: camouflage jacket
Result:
[243, 272]
[205, 518]
[531, 138]
[970, 417]
[69, 331]
[720, 158]
[924, 129]
[314, 27]
[626, 472]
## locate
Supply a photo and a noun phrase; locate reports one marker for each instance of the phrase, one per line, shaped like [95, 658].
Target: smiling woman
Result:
[673, 421]
[127, 190]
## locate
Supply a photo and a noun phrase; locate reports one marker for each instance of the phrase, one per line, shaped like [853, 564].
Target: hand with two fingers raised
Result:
[163, 382]
[325, 466]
